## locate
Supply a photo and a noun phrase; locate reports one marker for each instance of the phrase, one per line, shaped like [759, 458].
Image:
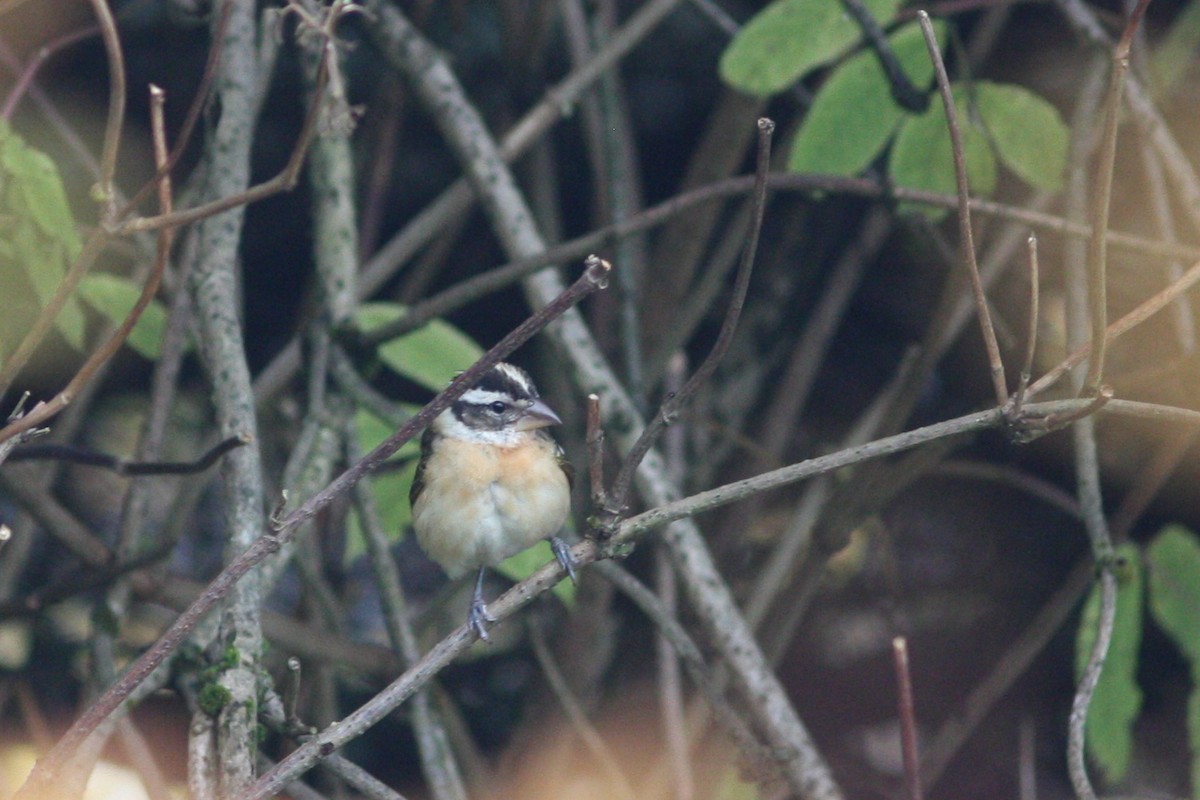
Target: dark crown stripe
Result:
[508, 380]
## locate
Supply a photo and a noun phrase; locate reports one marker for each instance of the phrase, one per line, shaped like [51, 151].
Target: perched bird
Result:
[491, 481]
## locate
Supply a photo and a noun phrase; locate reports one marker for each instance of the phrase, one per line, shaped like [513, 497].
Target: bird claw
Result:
[478, 618]
[562, 552]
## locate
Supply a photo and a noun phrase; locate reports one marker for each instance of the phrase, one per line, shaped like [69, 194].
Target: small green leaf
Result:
[390, 487]
[526, 562]
[853, 115]
[1118, 699]
[34, 189]
[1174, 563]
[429, 356]
[1029, 134]
[789, 38]
[114, 297]
[921, 156]
[72, 324]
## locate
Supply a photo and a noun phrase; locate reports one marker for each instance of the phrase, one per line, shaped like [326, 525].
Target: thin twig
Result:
[595, 450]
[906, 95]
[618, 782]
[908, 719]
[1032, 327]
[116, 104]
[1097, 257]
[619, 495]
[549, 575]
[44, 771]
[966, 236]
[90, 458]
[26, 76]
[1147, 309]
[44, 411]
[184, 136]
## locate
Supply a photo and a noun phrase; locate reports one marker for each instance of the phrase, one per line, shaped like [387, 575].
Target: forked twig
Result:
[44, 411]
[619, 495]
[1137, 316]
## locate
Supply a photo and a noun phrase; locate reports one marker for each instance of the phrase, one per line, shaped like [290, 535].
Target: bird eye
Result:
[497, 407]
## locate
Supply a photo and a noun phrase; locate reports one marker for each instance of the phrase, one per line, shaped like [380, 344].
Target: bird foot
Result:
[562, 552]
[478, 618]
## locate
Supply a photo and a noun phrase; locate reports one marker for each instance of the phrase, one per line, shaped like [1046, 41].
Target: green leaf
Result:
[429, 356]
[853, 115]
[1175, 54]
[526, 562]
[40, 227]
[114, 297]
[390, 487]
[1174, 563]
[1029, 134]
[789, 38]
[922, 158]
[34, 190]
[1118, 699]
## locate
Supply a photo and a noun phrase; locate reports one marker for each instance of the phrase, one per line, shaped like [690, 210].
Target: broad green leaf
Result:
[1175, 54]
[525, 563]
[853, 115]
[114, 297]
[33, 187]
[1029, 135]
[72, 323]
[390, 487]
[789, 38]
[429, 356]
[1174, 564]
[40, 227]
[921, 156]
[1118, 699]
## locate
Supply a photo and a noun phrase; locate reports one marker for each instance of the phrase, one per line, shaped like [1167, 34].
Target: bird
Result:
[491, 482]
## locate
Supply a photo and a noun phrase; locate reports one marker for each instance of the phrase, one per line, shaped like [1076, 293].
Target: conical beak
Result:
[538, 415]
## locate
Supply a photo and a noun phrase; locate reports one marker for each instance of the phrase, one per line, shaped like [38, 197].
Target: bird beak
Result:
[538, 415]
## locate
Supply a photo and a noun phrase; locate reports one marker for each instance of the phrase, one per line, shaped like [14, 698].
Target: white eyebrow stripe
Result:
[481, 397]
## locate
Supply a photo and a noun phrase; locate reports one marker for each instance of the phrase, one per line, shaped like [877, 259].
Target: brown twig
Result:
[193, 114]
[1097, 257]
[1137, 316]
[1018, 399]
[595, 450]
[595, 276]
[25, 76]
[44, 411]
[966, 237]
[116, 105]
[610, 765]
[908, 719]
[619, 495]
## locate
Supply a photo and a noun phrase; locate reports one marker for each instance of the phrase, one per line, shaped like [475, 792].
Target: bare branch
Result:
[966, 236]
